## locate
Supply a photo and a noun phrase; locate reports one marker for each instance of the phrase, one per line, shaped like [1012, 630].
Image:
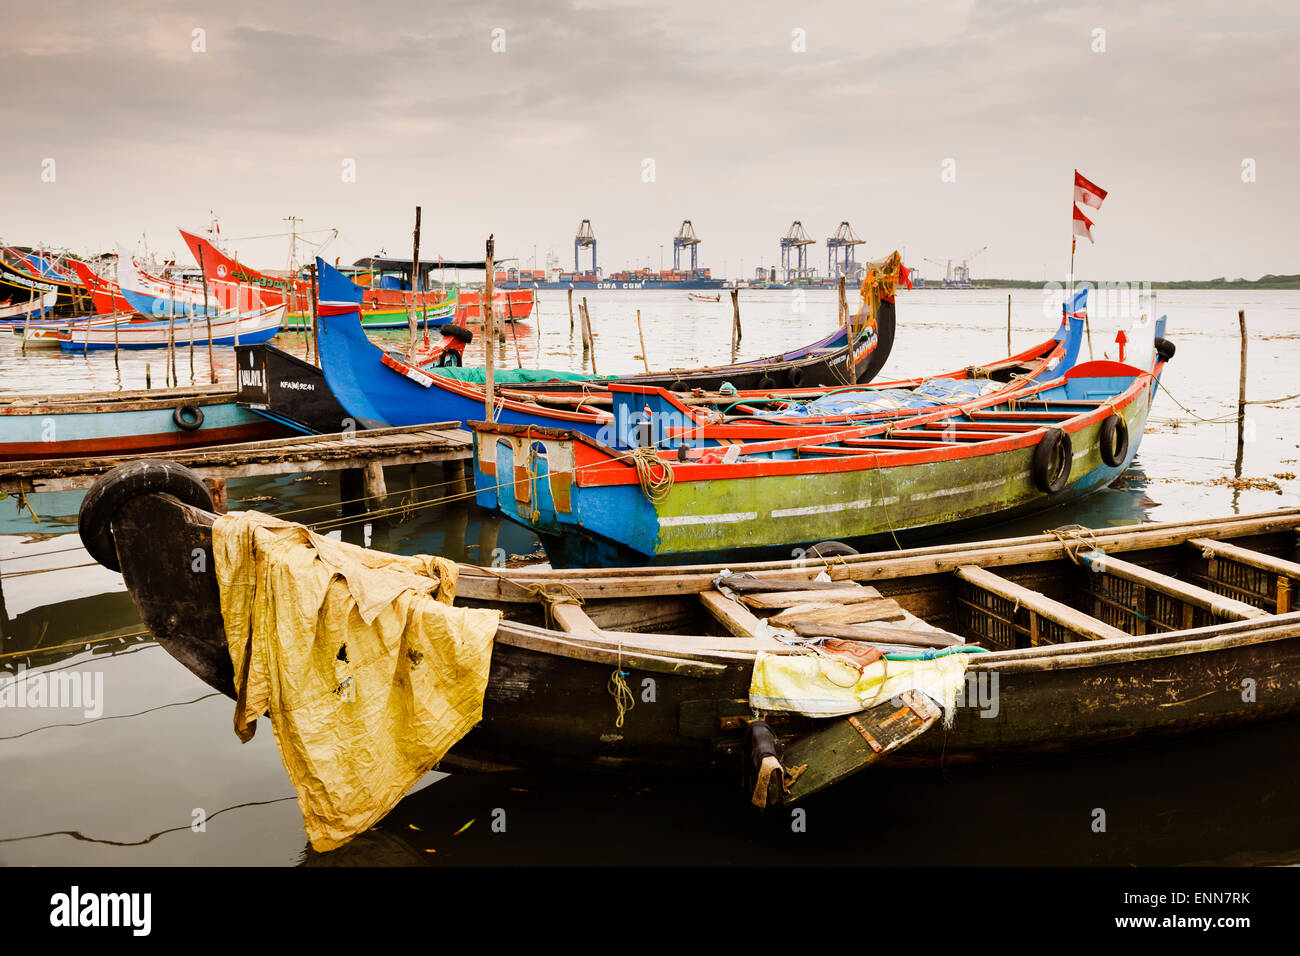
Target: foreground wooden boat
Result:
[80, 424]
[1091, 638]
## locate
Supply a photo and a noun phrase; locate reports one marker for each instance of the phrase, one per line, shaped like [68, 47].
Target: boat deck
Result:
[340, 451]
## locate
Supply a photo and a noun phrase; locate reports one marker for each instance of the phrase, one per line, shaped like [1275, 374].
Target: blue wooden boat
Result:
[88, 424]
[382, 389]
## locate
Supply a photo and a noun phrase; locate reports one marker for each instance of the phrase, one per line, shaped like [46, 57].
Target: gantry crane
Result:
[585, 237]
[796, 238]
[845, 238]
[685, 238]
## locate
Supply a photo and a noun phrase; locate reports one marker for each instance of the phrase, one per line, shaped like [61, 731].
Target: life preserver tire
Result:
[188, 418]
[457, 332]
[1113, 442]
[1052, 461]
[1165, 349]
[829, 549]
[125, 482]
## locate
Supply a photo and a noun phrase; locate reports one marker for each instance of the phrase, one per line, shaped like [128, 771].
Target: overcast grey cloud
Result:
[746, 133]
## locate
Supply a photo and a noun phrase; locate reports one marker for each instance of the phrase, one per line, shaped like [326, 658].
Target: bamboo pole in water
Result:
[850, 333]
[415, 277]
[489, 405]
[570, 312]
[212, 367]
[1241, 385]
[591, 339]
[735, 323]
[645, 359]
[315, 316]
[1008, 323]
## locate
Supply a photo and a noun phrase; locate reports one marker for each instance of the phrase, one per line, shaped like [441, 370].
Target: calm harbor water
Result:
[124, 787]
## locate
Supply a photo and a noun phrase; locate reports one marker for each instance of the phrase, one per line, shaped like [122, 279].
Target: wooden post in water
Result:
[148, 383]
[1008, 323]
[735, 323]
[376, 492]
[171, 342]
[645, 359]
[415, 277]
[850, 333]
[587, 333]
[212, 368]
[315, 316]
[570, 312]
[489, 319]
[1241, 391]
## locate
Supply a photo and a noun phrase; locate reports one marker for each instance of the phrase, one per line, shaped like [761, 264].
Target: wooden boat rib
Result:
[1082, 650]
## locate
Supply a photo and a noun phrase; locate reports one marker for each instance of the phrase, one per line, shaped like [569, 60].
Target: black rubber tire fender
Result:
[1113, 442]
[794, 376]
[457, 332]
[449, 359]
[114, 489]
[678, 386]
[767, 383]
[187, 417]
[1165, 349]
[1054, 443]
[829, 549]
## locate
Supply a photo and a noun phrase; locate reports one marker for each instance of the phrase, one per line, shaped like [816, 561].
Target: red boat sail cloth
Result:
[1088, 193]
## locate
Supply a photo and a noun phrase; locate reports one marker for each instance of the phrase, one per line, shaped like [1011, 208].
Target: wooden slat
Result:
[732, 615]
[883, 609]
[1085, 625]
[877, 634]
[839, 595]
[1190, 594]
[573, 620]
[1255, 559]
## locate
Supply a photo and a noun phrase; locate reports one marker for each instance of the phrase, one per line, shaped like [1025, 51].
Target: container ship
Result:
[638, 279]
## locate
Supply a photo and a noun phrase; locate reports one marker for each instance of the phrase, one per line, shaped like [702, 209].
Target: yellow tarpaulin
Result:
[367, 672]
[823, 686]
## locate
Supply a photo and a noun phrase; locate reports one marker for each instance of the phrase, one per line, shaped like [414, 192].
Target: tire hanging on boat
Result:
[829, 549]
[1052, 460]
[455, 331]
[123, 483]
[795, 376]
[1113, 442]
[1165, 349]
[188, 418]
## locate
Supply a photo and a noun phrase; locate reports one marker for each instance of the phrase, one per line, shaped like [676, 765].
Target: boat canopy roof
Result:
[387, 264]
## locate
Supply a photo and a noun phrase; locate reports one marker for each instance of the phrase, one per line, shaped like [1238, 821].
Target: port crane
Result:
[959, 274]
[687, 239]
[584, 238]
[838, 263]
[796, 238]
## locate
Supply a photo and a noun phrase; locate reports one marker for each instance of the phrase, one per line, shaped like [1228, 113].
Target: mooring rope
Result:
[655, 488]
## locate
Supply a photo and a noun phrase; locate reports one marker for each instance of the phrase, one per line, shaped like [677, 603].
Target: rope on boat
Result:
[624, 700]
[1074, 537]
[655, 488]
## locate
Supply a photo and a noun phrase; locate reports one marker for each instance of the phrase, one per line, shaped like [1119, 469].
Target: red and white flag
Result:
[1087, 193]
[1082, 224]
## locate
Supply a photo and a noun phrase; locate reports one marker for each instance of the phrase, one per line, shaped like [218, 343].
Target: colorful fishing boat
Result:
[1056, 643]
[696, 297]
[20, 280]
[105, 294]
[224, 329]
[508, 305]
[85, 424]
[155, 296]
[34, 308]
[674, 499]
[389, 304]
[375, 385]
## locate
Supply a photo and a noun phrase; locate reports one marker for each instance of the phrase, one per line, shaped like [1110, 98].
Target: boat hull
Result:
[134, 424]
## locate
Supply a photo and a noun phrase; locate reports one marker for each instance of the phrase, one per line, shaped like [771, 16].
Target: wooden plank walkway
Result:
[443, 441]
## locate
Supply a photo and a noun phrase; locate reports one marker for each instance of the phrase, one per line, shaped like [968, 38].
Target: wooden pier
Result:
[363, 453]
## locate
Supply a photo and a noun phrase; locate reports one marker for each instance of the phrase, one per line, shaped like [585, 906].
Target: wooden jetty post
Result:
[372, 478]
[645, 361]
[454, 473]
[1241, 390]
[212, 367]
[735, 323]
[489, 320]
[415, 277]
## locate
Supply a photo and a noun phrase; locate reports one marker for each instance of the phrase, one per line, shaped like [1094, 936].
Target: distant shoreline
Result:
[1263, 282]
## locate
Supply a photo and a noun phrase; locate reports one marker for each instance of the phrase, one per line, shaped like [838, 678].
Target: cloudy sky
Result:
[752, 114]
